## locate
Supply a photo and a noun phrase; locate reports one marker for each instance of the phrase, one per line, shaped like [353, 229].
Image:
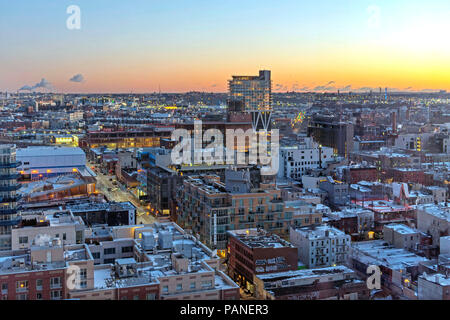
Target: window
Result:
[96, 255]
[38, 296]
[192, 286]
[179, 287]
[22, 297]
[55, 282]
[39, 284]
[206, 284]
[165, 289]
[127, 249]
[23, 240]
[4, 288]
[136, 297]
[22, 286]
[64, 236]
[55, 295]
[151, 296]
[83, 274]
[109, 251]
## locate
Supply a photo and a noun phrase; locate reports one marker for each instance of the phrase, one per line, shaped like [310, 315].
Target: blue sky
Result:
[197, 44]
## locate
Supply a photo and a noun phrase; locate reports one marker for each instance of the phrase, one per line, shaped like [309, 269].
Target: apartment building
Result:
[434, 220]
[332, 283]
[297, 160]
[8, 194]
[254, 251]
[399, 267]
[210, 208]
[333, 133]
[338, 193]
[320, 246]
[50, 224]
[434, 287]
[40, 273]
[141, 262]
[402, 236]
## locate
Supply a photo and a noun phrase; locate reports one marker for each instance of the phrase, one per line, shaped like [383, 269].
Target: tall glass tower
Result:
[256, 94]
[8, 194]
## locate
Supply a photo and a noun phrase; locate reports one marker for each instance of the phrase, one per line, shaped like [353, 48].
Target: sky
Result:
[145, 46]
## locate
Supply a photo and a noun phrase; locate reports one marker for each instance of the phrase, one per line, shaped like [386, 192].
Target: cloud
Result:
[25, 88]
[77, 78]
[280, 87]
[366, 89]
[41, 84]
[346, 88]
[429, 90]
[324, 88]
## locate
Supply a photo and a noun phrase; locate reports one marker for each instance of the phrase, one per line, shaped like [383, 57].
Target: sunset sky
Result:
[184, 45]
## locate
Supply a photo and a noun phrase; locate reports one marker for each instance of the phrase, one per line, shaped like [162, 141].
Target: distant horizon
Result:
[375, 91]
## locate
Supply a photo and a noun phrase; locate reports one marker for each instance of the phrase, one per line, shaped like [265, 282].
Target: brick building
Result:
[254, 251]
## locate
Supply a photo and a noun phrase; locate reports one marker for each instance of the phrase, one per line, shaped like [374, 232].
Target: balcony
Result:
[9, 165]
[7, 211]
[11, 176]
[10, 199]
[13, 222]
[14, 187]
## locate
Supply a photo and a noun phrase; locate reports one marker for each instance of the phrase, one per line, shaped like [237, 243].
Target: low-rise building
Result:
[255, 251]
[434, 220]
[51, 224]
[402, 236]
[320, 246]
[333, 283]
[434, 287]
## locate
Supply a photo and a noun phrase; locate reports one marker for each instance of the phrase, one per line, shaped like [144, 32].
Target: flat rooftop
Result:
[319, 232]
[43, 151]
[401, 228]
[378, 252]
[254, 238]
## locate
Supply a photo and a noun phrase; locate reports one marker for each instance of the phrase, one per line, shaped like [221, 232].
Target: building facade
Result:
[8, 194]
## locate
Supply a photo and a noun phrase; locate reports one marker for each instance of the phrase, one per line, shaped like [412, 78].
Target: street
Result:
[119, 193]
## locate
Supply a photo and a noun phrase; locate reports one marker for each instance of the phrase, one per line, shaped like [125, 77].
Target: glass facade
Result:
[8, 194]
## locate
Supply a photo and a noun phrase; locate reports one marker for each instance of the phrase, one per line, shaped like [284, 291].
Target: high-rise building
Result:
[330, 132]
[256, 94]
[8, 195]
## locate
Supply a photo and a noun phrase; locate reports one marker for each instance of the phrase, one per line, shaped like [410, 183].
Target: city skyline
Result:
[179, 47]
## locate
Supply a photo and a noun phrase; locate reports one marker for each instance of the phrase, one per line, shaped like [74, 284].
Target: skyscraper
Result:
[256, 94]
[8, 195]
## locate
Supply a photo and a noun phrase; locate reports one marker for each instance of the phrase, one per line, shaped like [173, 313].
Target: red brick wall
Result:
[31, 277]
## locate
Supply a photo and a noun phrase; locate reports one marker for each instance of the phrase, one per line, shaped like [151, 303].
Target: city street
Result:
[119, 193]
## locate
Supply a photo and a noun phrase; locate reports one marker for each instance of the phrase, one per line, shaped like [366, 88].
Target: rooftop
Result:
[257, 238]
